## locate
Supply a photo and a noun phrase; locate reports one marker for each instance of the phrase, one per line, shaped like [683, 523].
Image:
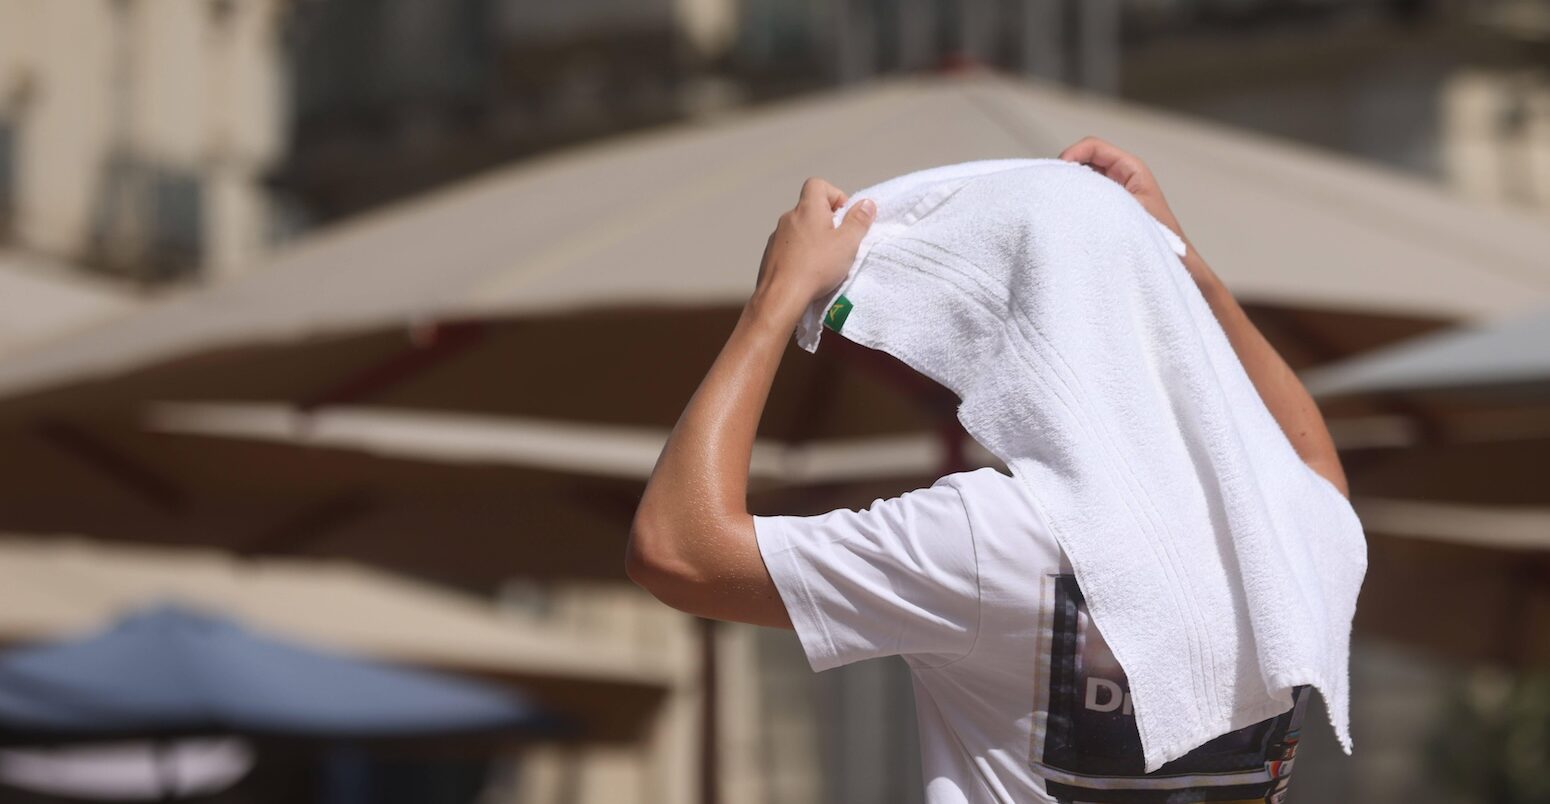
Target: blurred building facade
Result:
[164, 139]
[134, 136]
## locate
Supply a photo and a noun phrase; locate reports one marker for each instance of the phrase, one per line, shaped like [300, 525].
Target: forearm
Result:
[693, 522]
[702, 474]
[1283, 394]
[692, 543]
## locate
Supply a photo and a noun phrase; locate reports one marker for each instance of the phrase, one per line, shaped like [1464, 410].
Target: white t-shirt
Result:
[1017, 696]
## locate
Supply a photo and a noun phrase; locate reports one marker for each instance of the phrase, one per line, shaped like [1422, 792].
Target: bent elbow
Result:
[657, 569]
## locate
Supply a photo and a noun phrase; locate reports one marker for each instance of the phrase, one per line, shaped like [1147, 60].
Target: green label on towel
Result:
[838, 312]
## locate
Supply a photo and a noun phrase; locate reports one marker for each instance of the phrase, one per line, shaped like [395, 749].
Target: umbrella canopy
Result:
[596, 286]
[170, 670]
[40, 299]
[573, 277]
[609, 684]
[1508, 358]
[69, 585]
[1454, 497]
[467, 509]
[1466, 598]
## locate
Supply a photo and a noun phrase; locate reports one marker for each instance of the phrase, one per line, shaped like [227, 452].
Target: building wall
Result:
[141, 129]
[142, 136]
[1496, 135]
[59, 103]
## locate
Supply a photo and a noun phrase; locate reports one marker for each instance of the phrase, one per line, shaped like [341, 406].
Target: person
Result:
[1017, 696]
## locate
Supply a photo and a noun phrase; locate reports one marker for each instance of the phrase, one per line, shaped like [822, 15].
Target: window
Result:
[150, 220]
[7, 177]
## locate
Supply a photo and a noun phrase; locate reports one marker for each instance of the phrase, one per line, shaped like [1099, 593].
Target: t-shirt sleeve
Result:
[898, 578]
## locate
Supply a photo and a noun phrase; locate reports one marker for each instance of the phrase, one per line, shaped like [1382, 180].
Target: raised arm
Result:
[692, 541]
[1285, 396]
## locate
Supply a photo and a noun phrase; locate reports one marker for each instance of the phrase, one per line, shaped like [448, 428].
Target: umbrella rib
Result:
[439, 343]
[311, 524]
[112, 463]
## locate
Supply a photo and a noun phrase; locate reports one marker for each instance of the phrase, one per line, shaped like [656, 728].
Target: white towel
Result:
[1221, 570]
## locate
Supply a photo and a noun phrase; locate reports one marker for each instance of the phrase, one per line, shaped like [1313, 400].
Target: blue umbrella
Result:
[169, 670]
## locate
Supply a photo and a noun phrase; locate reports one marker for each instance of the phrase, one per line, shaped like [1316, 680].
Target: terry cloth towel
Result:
[1221, 570]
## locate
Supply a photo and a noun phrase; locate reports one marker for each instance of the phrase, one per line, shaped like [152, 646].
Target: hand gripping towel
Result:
[1221, 570]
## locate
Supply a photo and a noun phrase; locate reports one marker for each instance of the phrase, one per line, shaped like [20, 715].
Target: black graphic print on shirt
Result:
[1085, 743]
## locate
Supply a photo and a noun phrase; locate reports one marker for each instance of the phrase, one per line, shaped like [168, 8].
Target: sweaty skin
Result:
[692, 540]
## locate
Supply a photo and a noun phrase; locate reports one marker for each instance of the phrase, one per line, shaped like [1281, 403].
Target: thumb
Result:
[859, 219]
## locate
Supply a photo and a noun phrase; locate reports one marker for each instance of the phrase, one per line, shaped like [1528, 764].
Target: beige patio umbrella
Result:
[595, 284]
[1506, 359]
[41, 299]
[466, 499]
[57, 587]
[1468, 582]
[1458, 521]
[1450, 485]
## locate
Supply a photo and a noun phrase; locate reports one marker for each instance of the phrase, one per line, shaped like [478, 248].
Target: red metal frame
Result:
[117, 466]
[429, 346]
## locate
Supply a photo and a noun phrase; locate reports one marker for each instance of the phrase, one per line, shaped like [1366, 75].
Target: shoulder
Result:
[993, 497]
[984, 484]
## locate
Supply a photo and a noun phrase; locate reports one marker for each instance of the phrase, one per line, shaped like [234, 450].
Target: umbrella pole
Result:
[165, 762]
[710, 775]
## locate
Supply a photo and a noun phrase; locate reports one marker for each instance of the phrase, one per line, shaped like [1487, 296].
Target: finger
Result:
[818, 191]
[1126, 170]
[1099, 153]
[1083, 150]
[837, 199]
[859, 219]
[1110, 160]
